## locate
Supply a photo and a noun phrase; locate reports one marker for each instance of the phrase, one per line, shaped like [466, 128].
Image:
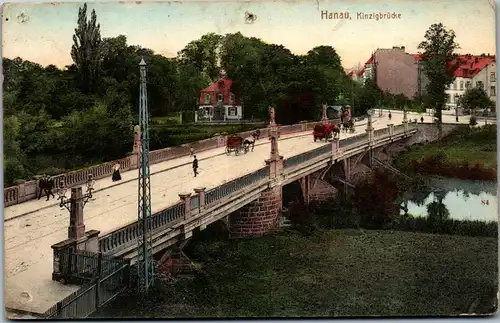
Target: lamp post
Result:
[75, 205]
[457, 98]
[66, 202]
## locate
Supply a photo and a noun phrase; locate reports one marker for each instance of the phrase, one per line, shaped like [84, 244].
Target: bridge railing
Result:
[131, 232]
[233, 186]
[381, 132]
[299, 159]
[173, 214]
[353, 141]
[27, 190]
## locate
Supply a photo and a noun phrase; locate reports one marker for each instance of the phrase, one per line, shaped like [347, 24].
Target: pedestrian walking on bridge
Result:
[422, 119]
[195, 166]
[46, 183]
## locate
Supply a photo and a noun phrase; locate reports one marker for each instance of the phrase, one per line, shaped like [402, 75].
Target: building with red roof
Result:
[398, 72]
[218, 102]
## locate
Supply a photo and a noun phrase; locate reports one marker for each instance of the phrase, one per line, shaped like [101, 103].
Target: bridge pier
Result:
[259, 217]
[262, 215]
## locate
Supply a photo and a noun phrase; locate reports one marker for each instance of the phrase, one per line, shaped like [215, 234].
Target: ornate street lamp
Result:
[66, 202]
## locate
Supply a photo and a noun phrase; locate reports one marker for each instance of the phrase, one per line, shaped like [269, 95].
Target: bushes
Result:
[472, 121]
[438, 165]
[375, 200]
[340, 214]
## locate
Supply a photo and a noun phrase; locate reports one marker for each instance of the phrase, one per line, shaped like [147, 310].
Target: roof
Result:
[470, 65]
[215, 86]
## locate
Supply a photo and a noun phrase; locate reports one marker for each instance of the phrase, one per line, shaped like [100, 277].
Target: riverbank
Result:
[329, 273]
[471, 150]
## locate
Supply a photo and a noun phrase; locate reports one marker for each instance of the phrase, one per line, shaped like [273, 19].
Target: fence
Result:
[91, 296]
[83, 266]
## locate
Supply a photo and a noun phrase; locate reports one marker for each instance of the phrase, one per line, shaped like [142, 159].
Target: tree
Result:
[439, 64]
[85, 51]
[204, 54]
[475, 98]
[13, 158]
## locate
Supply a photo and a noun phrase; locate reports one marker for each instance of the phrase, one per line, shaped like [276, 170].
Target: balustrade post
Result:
[21, 190]
[186, 198]
[335, 146]
[391, 129]
[201, 193]
[369, 129]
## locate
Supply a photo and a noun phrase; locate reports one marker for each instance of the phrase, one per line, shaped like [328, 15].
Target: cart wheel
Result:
[228, 151]
[237, 151]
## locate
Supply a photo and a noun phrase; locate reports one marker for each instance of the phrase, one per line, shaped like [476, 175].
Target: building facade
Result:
[478, 71]
[395, 71]
[487, 80]
[218, 102]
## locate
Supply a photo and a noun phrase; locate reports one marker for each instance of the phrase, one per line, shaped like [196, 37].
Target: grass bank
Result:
[472, 146]
[330, 273]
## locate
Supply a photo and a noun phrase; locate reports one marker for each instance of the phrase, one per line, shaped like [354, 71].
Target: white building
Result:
[487, 80]
[474, 71]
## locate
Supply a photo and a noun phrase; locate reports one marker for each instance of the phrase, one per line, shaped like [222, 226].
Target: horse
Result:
[336, 132]
[248, 142]
[256, 134]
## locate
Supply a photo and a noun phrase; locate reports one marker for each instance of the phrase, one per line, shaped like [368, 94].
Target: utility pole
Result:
[145, 265]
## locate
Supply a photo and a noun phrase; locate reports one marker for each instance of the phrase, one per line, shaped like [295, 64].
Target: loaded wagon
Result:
[238, 144]
[325, 131]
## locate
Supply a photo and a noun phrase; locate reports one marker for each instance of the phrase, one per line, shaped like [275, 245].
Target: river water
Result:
[465, 200]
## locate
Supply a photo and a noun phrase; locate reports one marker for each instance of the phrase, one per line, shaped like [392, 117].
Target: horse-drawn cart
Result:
[238, 144]
[325, 131]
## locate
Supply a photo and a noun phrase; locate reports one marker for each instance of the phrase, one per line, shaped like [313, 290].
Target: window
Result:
[231, 98]
[454, 85]
[220, 97]
[448, 98]
[480, 84]
[493, 91]
[461, 85]
[232, 111]
[206, 98]
[467, 85]
[492, 77]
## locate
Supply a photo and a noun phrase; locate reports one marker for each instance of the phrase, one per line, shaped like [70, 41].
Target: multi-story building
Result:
[396, 72]
[474, 70]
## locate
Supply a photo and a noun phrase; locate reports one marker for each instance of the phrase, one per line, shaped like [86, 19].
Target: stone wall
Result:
[428, 132]
[258, 217]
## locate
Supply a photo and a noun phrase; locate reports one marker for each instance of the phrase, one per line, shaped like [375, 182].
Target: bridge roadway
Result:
[31, 228]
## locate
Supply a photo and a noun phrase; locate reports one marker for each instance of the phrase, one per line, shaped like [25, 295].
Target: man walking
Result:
[195, 166]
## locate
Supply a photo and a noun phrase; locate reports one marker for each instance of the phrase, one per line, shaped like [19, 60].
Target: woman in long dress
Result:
[116, 173]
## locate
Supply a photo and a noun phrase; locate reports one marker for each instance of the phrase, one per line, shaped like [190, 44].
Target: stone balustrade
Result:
[27, 190]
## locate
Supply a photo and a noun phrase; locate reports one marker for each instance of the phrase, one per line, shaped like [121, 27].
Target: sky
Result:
[43, 32]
